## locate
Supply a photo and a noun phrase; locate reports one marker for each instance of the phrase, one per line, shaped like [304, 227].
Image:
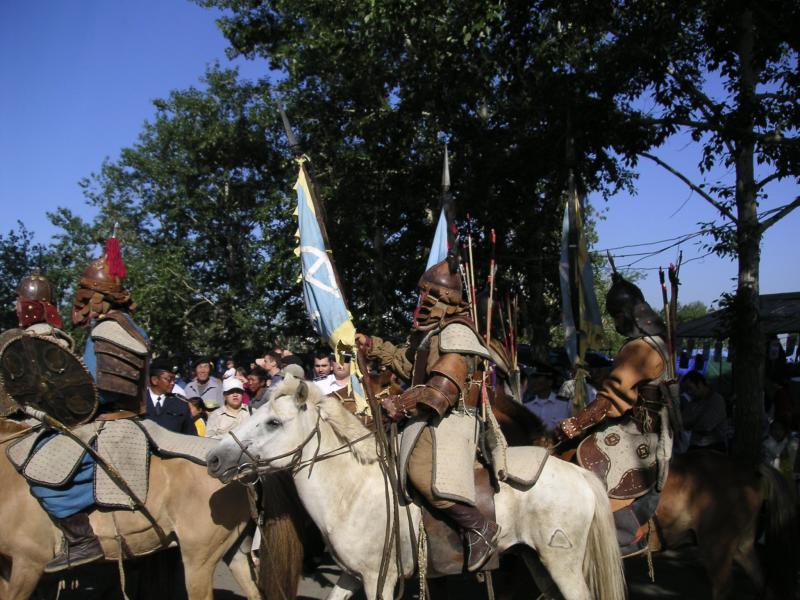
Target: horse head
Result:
[297, 420]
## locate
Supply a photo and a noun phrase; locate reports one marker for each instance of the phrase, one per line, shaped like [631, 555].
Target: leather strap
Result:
[115, 416]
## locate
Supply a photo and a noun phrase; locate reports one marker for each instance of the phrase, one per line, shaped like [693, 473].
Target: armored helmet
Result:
[442, 294]
[443, 283]
[36, 301]
[633, 315]
[100, 287]
[35, 287]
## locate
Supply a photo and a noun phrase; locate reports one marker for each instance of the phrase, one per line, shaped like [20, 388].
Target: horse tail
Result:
[602, 563]
[781, 531]
[281, 555]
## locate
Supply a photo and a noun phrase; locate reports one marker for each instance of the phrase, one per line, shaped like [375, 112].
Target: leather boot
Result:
[81, 545]
[480, 533]
[631, 536]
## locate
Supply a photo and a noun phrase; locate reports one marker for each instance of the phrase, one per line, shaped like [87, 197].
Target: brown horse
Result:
[206, 519]
[711, 501]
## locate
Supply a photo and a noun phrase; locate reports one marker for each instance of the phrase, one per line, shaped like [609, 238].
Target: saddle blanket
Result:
[52, 460]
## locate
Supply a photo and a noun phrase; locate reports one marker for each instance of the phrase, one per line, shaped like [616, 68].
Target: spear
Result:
[668, 319]
[492, 267]
[471, 272]
[448, 206]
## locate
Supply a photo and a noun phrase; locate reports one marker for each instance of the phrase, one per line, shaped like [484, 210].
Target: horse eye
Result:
[273, 423]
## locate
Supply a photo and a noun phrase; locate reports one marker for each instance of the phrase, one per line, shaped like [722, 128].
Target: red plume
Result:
[116, 268]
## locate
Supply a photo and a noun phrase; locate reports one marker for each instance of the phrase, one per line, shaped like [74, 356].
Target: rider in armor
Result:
[117, 357]
[634, 401]
[441, 361]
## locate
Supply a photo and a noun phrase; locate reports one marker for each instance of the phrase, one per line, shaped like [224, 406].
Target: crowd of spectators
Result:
[211, 406]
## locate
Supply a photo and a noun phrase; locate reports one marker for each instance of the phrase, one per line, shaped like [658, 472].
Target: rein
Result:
[258, 466]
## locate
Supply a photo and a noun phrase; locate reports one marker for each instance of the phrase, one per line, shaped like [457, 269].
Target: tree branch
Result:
[704, 125]
[776, 137]
[704, 195]
[707, 106]
[766, 224]
[769, 178]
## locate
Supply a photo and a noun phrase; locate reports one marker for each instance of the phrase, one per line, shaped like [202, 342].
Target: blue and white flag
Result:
[324, 300]
[439, 247]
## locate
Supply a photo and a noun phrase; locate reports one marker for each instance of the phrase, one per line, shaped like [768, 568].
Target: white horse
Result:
[565, 517]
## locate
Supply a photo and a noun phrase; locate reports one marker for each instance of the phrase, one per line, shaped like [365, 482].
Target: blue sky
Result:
[78, 79]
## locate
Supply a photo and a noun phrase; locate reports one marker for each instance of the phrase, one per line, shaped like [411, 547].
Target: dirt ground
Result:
[677, 575]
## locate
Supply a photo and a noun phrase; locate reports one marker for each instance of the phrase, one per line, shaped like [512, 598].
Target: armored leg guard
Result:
[481, 534]
[81, 545]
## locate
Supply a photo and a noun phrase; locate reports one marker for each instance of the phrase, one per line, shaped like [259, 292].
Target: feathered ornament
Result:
[116, 266]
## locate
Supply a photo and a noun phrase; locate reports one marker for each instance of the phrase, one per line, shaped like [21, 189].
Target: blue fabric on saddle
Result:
[65, 479]
[73, 497]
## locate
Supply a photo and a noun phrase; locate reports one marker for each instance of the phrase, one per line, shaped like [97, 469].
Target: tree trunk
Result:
[747, 337]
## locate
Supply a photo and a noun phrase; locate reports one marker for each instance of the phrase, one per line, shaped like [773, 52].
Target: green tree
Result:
[725, 72]
[205, 220]
[692, 310]
[375, 87]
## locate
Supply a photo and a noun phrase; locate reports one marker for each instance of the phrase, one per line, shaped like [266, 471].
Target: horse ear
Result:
[301, 396]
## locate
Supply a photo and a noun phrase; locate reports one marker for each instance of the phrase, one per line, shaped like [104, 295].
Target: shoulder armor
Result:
[658, 344]
[111, 331]
[460, 338]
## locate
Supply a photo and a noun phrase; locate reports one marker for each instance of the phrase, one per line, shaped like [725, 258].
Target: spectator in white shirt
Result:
[231, 413]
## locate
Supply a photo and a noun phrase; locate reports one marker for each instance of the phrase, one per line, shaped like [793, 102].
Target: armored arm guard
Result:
[636, 363]
[594, 413]
[441, 391]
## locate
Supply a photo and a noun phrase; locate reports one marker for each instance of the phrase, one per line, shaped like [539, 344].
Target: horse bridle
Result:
[257, 466]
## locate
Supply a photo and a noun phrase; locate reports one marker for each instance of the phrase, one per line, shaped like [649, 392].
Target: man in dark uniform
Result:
[441, 406]
[165, 408]
[626, 431]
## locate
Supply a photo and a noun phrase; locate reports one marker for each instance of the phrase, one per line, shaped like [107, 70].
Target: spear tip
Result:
[446, 171]
[294, 145]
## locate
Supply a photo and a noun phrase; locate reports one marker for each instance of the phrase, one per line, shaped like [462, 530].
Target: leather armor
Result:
[443, 389]
[121, 367]
[594, 413]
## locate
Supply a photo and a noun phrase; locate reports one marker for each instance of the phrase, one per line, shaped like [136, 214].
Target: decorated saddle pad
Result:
[52, 460]
[622, 457]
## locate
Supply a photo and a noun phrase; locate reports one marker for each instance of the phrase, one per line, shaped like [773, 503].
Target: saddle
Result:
[445, 546]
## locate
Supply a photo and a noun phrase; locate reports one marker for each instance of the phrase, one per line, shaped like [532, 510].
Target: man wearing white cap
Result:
[231, 413]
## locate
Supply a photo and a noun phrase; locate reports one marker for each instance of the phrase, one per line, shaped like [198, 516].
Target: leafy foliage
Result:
[204, 221]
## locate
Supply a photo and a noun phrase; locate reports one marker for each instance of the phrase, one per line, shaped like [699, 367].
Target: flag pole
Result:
[305, 166]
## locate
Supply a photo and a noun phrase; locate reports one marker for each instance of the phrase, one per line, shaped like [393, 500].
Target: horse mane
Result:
[344, 424]
[348, 429]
